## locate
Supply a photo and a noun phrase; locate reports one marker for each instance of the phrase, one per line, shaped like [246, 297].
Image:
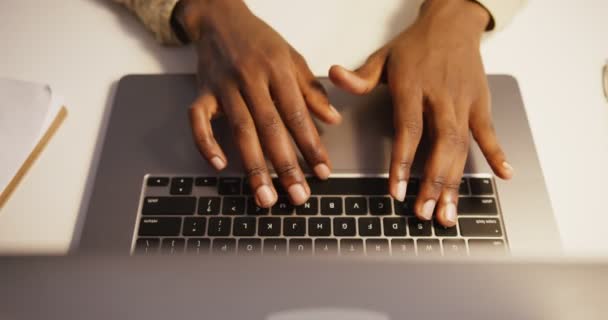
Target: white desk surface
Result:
[82, 47]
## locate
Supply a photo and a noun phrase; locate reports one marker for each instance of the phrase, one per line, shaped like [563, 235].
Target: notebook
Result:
[30, 113]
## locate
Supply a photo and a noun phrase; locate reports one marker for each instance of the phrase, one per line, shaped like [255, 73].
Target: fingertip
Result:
[218, 163]
[322, 171]
[448, 215]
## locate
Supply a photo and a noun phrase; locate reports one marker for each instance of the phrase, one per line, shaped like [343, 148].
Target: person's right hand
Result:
[264, 87]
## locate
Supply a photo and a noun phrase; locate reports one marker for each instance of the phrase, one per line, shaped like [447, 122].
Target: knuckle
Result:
[412, 128]
[437, 183]
[205, 142]
[270, 125]
[287, 170]
[313, 152]
[296, 119]
[256, 171]
[242, 127]
[455, 139]
[404, 166]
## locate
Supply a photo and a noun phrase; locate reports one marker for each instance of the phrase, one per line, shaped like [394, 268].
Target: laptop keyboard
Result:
[351, 216]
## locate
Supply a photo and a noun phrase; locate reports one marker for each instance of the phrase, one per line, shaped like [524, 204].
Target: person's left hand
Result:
[437, 81]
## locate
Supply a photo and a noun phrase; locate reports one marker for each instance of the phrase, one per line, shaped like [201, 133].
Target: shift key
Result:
[169, 205]
[480, 227]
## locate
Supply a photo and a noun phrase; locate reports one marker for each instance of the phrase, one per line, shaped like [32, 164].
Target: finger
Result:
[448, 201]
[201, 113]
[485, 135]
[364, 79]
[245, 135]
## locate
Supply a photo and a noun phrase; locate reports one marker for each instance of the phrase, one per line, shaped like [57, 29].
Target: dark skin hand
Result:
[437, 81]
[248, 72]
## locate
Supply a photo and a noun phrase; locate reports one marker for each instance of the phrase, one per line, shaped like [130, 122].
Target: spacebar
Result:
[349, 186]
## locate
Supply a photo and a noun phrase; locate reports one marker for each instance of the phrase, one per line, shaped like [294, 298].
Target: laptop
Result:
[153, 193]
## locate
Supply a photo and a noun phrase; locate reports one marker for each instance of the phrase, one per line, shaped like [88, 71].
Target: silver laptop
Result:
[154, 194]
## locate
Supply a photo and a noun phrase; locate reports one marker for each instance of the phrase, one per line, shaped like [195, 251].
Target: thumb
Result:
[365, 78]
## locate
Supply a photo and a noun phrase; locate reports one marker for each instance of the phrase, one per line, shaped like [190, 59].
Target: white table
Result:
[82, 48]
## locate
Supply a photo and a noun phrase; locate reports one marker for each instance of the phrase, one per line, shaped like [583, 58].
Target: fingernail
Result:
[265, 196]
[508, 167]
[218, 163]
[428, 208]
[401, 190]
[322, 171]
[334, 110]
[450, 213]
[297, 193]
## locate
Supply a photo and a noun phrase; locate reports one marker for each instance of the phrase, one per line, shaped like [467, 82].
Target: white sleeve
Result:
[502, 11]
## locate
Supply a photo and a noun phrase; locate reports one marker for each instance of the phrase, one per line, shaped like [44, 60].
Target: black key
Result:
[169, 206]
[395, 227]
[233, 205]
[464, 187]
[254, 210]
[294, 227]
[250, 246]
[481, 186]
[209, 206]
[160, 227]
[145, 246]
[300, 247]
[405, 208]
[477, 206]
[480, 227]
[345, 227]
[356, 206]
[275, 182]
[181, 186]
[376, 247]
[349, 186]
[309, 208]
[198, 246]
[454, 248]
[244, 227]
[487, 248]
[269, 227]
[413, 187]
[419, 228]
[172, 246]
[157, 182]
[442, 231]
[282, 207]
[326, 247]
[205, 182]
[402, 247]
[369, 227]
[351, 247]
[428, 247]
[380, 206]
[194, 227]
[331, 206]
[319, 227]
[223, 246]
[219, 227]
[275, 246]
[229, 186]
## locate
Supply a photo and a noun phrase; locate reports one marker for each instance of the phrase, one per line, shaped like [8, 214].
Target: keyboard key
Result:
[309, 208]
[233, 205]
[205, 182]
[369, 227]
[428, 248]
[254, 210]
[480, 227]
[477, 206]
[349, 186]
[181, 186]
[198, 246]
[157, 182]
[481, 186]
[300, 247]
[376, 247]
[275, 246]
[244, 227]
[464, 187]
[169, 206]
[351, 247]
[194, 227]
[219, 227]
[419, 228]
[160, 227]
[487, 248]
[356, 206]
[294, 227]
[327, 247]
[319, 227]
[146, 246]
[395, 227]
[223, 246]
[282, 207]
[405, 208]
[250, 246]
[454, 248]
[209, 206]
[331, 206]
[402, 248]
[380, 206]
[269, 227]
[442, 231]
[345, 227]
[229, 186]
[172, 246]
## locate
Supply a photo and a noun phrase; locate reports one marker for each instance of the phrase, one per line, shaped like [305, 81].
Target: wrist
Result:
[462, 15]
[192, 14]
